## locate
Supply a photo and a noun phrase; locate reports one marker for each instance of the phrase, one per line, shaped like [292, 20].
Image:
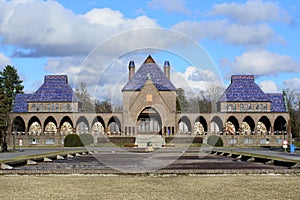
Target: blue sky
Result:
[67, 37]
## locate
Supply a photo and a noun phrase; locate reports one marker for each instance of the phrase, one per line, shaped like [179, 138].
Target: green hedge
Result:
[86, 139]
[183, 140]
[73, 140]
[215, 140]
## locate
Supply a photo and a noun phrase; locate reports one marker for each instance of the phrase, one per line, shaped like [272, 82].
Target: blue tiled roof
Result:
[55, 88]
[244, 89]
[149, 69]
[20, 103]
[278, 104]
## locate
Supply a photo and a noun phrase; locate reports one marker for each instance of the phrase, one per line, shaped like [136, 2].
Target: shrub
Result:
[86, 139]
[73, 140]
[215, 140]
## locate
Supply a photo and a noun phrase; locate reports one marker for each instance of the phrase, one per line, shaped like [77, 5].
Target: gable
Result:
[149, 69]
[149, 96]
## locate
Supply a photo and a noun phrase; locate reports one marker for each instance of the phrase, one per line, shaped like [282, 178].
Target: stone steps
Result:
[156, 140]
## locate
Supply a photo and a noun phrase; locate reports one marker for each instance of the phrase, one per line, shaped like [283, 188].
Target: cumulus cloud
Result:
[222, 30]
[292, 84]
[53, 30]
[252, 11]
[263, 62]
[169, 5]
[103, 76]
[268, 86]
[4, 60]
[195, 80]
[244, 24]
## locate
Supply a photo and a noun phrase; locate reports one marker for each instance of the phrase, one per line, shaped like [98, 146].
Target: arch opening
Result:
[18, 126]
[216, 125]
[200, 126]
[149, 122]
[114, 126]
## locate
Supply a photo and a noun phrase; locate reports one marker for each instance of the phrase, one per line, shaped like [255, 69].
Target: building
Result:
[246, 115]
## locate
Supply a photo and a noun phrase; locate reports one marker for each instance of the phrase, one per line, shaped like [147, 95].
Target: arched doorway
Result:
[149, 122]
[82, 125]
[247, 126]
[98, 128]
[232, 125]
[18, 126]
[216, 125]
[200, 126]
[280, 126]
[50, 126]
[114, 126]
[264, 126]
[35, 127]
[66, 126]
[184, 125]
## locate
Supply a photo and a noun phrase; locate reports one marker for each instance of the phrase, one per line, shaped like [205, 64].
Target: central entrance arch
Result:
[149, 122]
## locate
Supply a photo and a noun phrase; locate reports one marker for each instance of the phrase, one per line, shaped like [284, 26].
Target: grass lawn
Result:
[150, 187]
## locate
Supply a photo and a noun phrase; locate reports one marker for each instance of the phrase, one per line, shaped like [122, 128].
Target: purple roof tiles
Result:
[149, 69]
[244, 89]
[54, 89]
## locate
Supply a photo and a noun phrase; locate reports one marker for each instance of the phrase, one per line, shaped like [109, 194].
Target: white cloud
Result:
[46, 28]
[252, 11]
[4, 61]
[268, 86]
[222, 30]
[245, 24]
[263, 62]
[169, 5]
[194, 79]
[104, 76]
[292, 84]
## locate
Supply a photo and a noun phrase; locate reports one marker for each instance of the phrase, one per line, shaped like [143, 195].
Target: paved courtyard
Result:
[147, 162]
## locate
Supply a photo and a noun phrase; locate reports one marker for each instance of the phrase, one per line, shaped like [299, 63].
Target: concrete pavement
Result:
[274, 152]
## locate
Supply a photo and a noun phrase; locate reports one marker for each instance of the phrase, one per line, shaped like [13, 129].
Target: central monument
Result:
[149, 100]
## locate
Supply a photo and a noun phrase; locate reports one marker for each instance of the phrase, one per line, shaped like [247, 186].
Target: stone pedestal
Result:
[156, 140]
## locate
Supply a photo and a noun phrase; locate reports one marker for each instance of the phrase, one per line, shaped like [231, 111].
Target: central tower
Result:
[149, 100]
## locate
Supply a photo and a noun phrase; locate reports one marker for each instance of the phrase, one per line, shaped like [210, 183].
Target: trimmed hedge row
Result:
[116, 140]
[215, 140]
[74, 140]
[183, 140]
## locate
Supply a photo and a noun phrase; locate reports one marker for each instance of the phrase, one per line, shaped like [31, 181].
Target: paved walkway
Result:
[275, 152]
[30, 152]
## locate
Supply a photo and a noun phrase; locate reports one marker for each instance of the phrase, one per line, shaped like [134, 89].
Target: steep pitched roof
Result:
[278, 103]
[244, 89]
[149, 69]
[55, 88]
[20, 103]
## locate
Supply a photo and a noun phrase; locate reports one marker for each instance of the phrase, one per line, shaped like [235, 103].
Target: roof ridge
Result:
[149, 69]
[149, 59]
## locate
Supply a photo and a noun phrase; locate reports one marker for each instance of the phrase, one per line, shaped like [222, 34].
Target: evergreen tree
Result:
[10, 85]
[181, 101]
